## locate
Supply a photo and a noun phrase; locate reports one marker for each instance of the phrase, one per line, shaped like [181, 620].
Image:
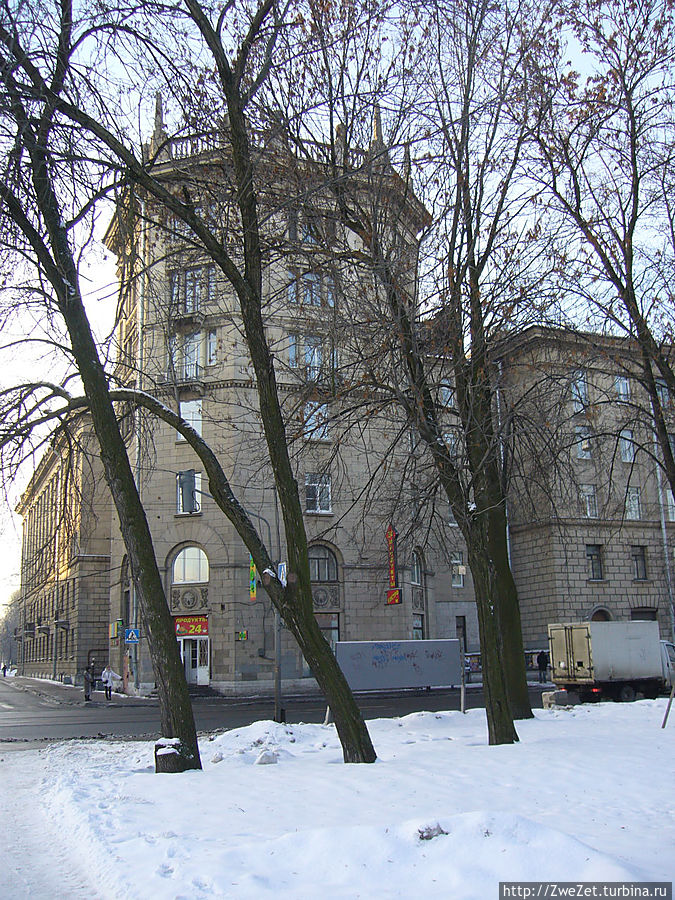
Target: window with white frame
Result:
[191, 356]
[190, 288]
[416, 568]
[322, 564]
[191, 411]
[632, 503]
[670, 505]
[311, 289]
[292, 287]
[211, 347]
[191, 566]
[583, 440]
[316, 421]
[639, 559]
[194, 503]
[589, 500]
[622, 387]
[627, 445]
[318, 492]
[579, 390]
[446, 394]
[458, 569]
[306, 351]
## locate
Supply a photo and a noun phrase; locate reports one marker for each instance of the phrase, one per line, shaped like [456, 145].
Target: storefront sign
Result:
[191, 626]
[393, 594]
[252, 580]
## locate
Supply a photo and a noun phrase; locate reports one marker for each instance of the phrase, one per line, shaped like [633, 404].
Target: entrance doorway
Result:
[195, 655]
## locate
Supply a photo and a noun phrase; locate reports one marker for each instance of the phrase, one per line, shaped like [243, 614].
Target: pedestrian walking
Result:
[88, 680]
[4, 671]
[107, 677]
[542, 664]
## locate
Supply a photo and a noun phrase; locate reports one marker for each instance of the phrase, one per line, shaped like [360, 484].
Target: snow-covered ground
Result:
[587, 795]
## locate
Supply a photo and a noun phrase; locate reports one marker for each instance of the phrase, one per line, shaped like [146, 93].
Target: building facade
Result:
[592, 519]
[591, 522]
[180, 337]
[65, 564]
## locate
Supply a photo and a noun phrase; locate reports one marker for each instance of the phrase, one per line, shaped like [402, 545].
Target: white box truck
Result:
[617, 660]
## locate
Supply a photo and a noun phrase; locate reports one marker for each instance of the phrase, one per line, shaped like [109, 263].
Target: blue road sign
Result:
[132, 635]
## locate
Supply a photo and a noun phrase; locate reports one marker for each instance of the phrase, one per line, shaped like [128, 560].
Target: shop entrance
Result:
[195, 655]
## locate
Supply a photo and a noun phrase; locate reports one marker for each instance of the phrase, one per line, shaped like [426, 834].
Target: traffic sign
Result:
[132, 635]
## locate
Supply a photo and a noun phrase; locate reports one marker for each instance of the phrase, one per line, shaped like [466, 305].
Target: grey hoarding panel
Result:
[378, 665]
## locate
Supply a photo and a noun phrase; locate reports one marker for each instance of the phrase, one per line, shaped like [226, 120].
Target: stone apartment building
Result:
[65, 564]
[180, 337]
[592, 520]
[591, 525]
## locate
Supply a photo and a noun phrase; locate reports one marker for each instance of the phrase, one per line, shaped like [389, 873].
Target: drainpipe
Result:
[140, 327]
[500, 369]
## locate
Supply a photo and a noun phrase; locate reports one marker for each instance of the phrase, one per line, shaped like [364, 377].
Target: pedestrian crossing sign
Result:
[132, 635]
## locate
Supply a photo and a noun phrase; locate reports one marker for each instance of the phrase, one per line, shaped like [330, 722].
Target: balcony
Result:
[187, 317]
[190, 375]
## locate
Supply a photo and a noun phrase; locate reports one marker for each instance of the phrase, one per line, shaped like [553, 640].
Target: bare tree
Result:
[605, 138]
[242, 57]
[42, 203]
[432, 347]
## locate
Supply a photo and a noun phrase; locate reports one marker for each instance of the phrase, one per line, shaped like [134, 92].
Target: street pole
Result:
[278, 712]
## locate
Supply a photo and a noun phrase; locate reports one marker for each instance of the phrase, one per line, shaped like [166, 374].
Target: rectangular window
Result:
[589, 501]
[622, 386]
[627, 445]
[193, 290]
[181, 499]
[191, 362]
[418, 627]
[639, 558]
[671, 442]
[311, 289]
[317, 492]
[306, 350]
[662, 391]
[594, 558]
[458, 569]
[670, 505]
[583, 441]
[329, 624]
[191, 411]
[632, 503]
[579, 390]
[190, 288]
[316, 421]
[211, 347]
[447, 395]
[313, 356]
[292, 289]
[329, 287]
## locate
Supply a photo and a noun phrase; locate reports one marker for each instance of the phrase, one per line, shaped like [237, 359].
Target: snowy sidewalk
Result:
[585, 796]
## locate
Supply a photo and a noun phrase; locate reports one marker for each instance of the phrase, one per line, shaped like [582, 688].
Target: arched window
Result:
[191, 566]
[416, 568]
[322, 564]
[600, 614]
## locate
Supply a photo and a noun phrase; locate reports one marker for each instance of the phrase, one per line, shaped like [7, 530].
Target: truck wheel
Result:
[627, 693]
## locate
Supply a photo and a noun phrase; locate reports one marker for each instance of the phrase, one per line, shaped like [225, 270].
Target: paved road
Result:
[32, 710]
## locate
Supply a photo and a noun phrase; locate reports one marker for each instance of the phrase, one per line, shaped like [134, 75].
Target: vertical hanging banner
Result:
[394, 592]
[252, 580]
